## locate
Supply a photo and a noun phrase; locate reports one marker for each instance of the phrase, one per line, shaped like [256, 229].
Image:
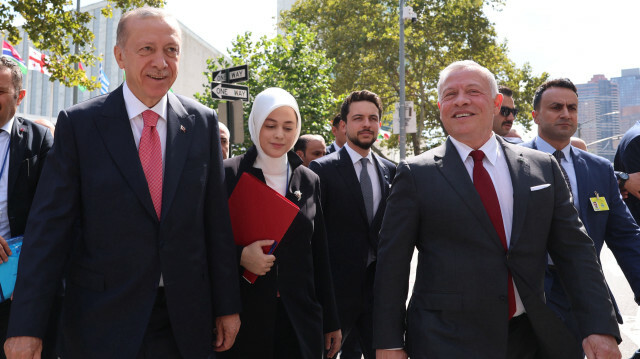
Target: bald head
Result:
[310, 147]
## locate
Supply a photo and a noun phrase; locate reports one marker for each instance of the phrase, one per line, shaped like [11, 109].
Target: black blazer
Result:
[93, 206]
[349, 234]
[30, 143]
[301, 272]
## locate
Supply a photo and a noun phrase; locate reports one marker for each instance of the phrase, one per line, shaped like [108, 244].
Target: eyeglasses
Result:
[505, 111]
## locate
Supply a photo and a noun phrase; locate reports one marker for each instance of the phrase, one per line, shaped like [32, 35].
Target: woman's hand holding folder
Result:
[255, 260]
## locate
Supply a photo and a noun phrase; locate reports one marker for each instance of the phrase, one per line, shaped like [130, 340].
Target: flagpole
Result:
[75, 52]
[26, 83]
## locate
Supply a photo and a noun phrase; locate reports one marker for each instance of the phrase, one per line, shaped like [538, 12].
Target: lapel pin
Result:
[22, 130]
[298, 194]
[182, 129]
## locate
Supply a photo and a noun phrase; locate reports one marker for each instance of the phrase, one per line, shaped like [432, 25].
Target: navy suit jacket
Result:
[616, 227]
[30, 144]
[93, 212]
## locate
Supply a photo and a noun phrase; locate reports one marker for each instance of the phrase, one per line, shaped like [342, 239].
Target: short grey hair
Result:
[472, 66]
[16, 74]
[141, 12]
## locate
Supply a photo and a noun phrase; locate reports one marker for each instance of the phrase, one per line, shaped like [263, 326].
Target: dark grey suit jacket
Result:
[93, 210]
[459, 306]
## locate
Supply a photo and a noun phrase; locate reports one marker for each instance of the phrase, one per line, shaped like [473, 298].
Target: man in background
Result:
[595, 193]
[503, 120]
[309, 148]
[224, 140]
[339, 133]
[23, 149]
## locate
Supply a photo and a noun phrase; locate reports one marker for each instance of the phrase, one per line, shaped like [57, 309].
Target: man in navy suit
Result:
[132, 211]
[353, 200]
[23, 150]
[594, 188]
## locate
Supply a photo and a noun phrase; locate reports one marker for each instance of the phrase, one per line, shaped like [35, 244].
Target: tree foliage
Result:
[290, 62]
[362, 36]
[56, 29]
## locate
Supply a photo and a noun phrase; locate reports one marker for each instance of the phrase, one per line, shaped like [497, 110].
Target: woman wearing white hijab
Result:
[291, 305]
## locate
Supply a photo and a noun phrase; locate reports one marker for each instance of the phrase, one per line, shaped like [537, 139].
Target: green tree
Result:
[290, 62]
[56, 30]
[362, 36]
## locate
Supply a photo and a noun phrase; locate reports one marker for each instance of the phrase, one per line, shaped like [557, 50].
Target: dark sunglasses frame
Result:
[504, 111]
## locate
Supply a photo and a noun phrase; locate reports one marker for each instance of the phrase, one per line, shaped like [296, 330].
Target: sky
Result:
[566, 38]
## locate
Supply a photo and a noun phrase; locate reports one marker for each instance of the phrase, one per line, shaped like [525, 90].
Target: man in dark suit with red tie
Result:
[483, 214]
[354, 187]
[131, 209]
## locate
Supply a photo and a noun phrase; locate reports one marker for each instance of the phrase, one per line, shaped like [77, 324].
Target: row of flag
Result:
[37, 61]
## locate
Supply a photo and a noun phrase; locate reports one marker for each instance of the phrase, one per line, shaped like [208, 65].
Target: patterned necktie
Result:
[559, 155]
[150, 153]
[367, 188]
[483, 184]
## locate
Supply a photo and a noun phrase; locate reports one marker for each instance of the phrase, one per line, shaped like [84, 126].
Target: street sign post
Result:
[223, 91]
[231, 74]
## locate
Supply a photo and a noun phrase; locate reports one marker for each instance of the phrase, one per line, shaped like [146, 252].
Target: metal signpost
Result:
[222, 89]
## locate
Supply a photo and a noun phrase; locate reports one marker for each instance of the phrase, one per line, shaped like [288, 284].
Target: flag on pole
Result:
[104, 82]
[10, 52]
[383, 135]
[80, 67]
[37, 61]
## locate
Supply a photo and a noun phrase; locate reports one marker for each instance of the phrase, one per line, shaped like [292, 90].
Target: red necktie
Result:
[486, 190]
[150, 153]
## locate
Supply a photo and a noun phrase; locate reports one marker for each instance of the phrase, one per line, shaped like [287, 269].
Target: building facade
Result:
[45, 99]
[599, 115]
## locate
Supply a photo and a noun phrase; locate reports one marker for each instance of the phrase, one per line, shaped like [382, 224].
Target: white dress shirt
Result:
[135, 108]
[496, 164]
[5, 136]
[566, 163]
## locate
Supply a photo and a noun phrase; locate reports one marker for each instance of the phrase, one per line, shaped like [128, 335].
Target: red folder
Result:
[258, 212]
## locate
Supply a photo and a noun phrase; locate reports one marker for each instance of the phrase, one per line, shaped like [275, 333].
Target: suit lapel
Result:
[347, 172]
[519, 170]
[383, 179]
[179, 136]
[19, 140]
[582, 171]
[450, 165]
[114, 127]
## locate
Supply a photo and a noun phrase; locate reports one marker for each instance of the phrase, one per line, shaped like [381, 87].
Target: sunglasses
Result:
[505, 111]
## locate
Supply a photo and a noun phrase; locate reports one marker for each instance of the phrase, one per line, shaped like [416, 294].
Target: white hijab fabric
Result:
[274, 169]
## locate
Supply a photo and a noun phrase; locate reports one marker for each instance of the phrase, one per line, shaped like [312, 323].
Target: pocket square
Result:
[539, 187]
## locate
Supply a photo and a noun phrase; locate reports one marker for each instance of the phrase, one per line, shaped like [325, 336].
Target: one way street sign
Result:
[236, 74]
[229, 92]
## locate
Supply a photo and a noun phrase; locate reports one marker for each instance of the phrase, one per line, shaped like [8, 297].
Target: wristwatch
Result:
[622, 178]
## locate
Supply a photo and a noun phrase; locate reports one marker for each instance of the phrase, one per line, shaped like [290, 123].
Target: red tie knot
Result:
[149, 118]
[477, 155]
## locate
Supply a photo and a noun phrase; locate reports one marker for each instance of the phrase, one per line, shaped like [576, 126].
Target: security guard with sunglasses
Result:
[503, 121]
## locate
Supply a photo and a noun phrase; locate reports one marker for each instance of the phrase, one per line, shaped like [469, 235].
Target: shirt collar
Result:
[355, 156]
[135, 107]
[490, 149]
[544, 146]
[8, 126]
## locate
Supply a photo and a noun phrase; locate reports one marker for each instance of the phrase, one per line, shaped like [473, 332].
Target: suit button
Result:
[503, 298]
